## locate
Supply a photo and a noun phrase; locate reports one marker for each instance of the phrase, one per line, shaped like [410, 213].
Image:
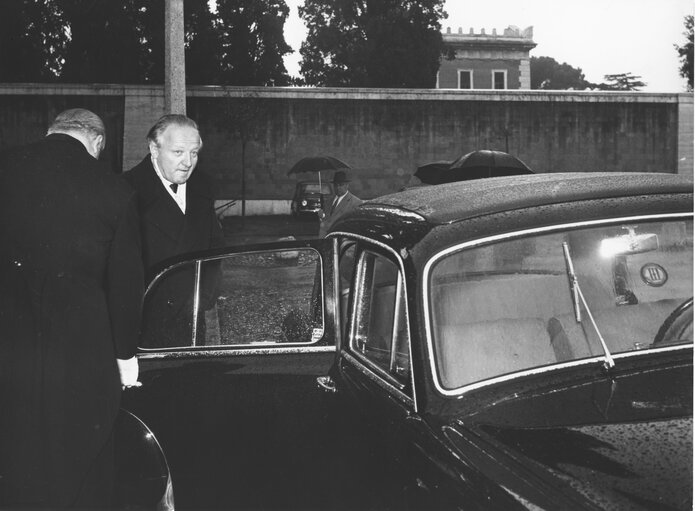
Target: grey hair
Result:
[155, 133]
[78, 120]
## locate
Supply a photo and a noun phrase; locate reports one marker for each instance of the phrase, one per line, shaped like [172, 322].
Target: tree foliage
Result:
[621, 81]
[253, 42]
[110, 42]
[237, 42]
[372, 43]
[547, 73]
[685, 52]
[32, 41]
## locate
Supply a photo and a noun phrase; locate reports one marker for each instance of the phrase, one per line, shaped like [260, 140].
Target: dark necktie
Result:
[174, 187]
[335, 203]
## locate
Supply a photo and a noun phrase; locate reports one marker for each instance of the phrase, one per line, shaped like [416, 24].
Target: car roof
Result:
[456, 201]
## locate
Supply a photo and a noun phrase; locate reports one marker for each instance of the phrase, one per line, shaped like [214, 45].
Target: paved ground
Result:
[261, 229]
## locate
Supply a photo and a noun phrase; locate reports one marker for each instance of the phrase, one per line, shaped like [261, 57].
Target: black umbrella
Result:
[484, 163]
[431, 173]
[317, 164]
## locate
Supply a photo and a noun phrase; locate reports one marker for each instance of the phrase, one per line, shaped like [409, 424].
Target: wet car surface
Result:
[509, 343]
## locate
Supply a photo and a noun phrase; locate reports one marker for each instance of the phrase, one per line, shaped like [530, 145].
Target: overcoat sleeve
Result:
[125, 282]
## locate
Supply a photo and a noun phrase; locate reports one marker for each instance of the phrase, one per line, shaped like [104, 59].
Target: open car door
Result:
[233, 342]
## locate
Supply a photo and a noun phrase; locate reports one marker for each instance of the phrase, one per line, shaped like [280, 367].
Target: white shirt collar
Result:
[180, 195]
[339, 198]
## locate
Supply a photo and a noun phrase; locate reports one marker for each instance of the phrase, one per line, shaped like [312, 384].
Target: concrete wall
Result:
[383, 134]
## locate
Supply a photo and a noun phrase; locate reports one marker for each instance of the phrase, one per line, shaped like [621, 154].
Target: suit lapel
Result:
[342, 205]
[159, 208]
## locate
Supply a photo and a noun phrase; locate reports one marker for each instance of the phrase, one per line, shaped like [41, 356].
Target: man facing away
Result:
[71, 284]
[343, 202]
[177, 215]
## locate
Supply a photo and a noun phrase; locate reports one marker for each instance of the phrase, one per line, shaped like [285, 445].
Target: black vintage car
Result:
[506, 343]
[309, 197]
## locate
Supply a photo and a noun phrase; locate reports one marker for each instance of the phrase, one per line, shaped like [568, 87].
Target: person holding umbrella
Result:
[342, 203]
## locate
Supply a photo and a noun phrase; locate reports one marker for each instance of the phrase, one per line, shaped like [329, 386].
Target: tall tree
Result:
[547, 73]
[685, 52]
[253, 43]
[622, 81]
[32, 41]
[372, 43]
[235, 42]
[203, 44]
[108, 43]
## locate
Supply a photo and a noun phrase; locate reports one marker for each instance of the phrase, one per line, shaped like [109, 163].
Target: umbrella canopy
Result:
[317, 164]
[431, 173]
[484, 163]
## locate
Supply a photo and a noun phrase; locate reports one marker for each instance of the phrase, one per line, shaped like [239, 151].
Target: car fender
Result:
[143, 479]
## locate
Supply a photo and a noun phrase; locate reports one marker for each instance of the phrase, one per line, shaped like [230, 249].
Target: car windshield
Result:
[545, 299]
[316, 188]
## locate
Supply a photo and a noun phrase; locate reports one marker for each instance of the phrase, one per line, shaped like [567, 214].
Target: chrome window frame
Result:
[429, 337]
[371, 370]
[352, 336]
[266, 347]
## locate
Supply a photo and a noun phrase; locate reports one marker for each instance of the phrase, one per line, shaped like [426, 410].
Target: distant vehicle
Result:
[496, 344]
[309, 197]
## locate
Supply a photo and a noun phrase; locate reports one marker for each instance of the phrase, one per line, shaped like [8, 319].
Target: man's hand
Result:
[129, 370]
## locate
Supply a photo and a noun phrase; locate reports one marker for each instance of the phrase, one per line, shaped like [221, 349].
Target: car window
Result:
[316, 188]
[508, 306]
[346, 268]
[379, 331]
[241, 299]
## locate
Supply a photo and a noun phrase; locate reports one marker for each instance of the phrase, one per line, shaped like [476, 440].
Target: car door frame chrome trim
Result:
[389, 384]
[196, 305]
[413, 401]
[196, 301]
[429, 340]
[236, 350]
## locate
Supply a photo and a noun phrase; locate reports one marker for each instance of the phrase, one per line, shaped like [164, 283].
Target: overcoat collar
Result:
[69, 140]
[160, 209]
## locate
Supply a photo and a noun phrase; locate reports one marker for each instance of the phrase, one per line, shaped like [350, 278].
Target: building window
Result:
[465, 79]
[499, 79]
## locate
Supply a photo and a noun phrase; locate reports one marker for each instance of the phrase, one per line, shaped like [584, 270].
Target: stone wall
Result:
[383, 134]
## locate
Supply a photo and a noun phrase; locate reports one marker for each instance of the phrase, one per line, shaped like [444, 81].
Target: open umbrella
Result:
[484, 163]
[317, 164]
[431, 173]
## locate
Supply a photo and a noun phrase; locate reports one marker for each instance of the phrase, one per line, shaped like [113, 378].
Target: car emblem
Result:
[654, 274]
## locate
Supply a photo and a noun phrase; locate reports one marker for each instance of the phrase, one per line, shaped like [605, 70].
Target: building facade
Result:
[485, 61]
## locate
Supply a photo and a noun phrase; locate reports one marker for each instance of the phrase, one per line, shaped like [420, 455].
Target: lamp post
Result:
[174, 58]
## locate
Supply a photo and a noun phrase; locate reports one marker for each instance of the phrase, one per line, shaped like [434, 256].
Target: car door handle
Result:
[326, 383]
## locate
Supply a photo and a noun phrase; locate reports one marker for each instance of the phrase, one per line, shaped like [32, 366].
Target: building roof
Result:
[511, 37]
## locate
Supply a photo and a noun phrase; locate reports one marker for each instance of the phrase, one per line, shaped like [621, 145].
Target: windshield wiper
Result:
[577, 295]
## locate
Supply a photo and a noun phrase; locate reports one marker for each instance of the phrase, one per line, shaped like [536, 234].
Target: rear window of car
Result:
[316, 188]
[539, 300]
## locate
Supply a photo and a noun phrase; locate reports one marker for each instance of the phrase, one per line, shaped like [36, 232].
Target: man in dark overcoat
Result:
[343, 202]
[177, 213]
[71, 285]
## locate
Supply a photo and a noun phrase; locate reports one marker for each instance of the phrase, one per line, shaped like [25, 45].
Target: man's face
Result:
[341, 189]
[177, 152]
